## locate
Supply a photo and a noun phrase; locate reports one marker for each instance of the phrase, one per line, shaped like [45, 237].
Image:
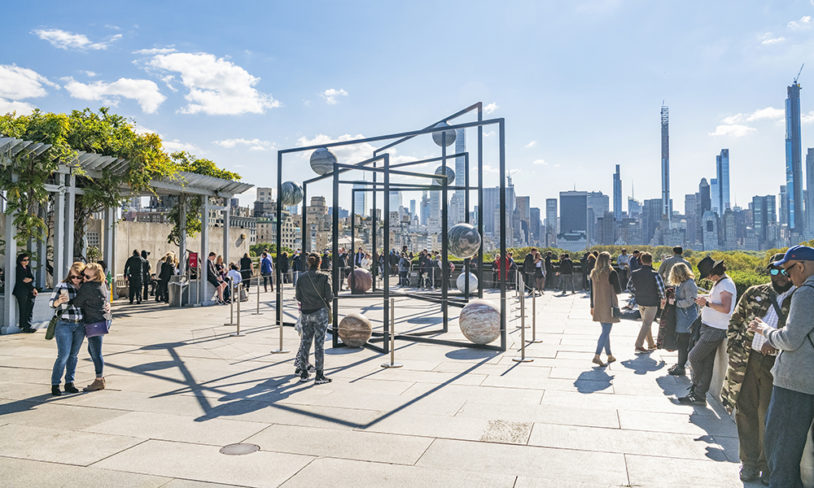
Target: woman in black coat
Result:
[25, 291]
[92, 298]
[246, 270]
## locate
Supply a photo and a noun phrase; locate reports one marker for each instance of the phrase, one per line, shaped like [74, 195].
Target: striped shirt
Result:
[66, 311]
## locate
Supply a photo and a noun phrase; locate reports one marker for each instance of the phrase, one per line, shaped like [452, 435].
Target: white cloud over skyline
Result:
[144, 92]
[253, 144]
[216, 86]
[331, 94]
[62, 39]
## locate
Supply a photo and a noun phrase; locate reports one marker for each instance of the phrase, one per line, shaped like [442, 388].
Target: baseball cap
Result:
[796, 253]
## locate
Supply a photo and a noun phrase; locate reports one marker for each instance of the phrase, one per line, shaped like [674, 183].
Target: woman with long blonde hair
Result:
[70, 330]
[604, 304]
[686, 292]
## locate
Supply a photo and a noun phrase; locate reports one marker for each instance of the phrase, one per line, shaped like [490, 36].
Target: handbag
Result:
[52, 328]
[617, 313]
[97, 328]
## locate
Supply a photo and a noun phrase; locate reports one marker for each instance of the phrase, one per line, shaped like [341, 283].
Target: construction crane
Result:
[798, 73]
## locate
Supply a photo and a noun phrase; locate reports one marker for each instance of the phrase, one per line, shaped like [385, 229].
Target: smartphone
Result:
[63, 293]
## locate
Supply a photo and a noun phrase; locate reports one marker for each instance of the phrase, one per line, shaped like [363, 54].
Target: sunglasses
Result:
[76, 277]
[87, 276]
[781, 271]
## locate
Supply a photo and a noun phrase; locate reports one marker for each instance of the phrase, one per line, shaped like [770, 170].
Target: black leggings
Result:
[683, 342]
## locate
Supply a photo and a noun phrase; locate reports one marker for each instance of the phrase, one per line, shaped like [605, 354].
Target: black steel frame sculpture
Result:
[385, 187]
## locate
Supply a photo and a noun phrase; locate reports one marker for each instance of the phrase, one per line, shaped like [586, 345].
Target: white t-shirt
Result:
[235, 275]
[714, 318]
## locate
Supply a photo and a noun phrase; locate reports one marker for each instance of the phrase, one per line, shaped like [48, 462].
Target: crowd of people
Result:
[769, 383]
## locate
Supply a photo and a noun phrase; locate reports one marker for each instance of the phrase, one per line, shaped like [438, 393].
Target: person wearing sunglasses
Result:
[92, 298]
[748, 382]
[25, 292]
[70, 330]
[791, 409]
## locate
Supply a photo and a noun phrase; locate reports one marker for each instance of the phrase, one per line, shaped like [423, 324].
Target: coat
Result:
[22, 289]
[603, 298]
[754, 303]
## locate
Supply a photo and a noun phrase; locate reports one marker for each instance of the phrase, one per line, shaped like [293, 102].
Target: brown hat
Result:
[705, 267]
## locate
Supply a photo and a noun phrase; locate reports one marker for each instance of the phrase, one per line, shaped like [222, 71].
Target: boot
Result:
[611, 359]
[55, 390]
[598, 360]
[70, 388]
[98, 384]
[321, 379]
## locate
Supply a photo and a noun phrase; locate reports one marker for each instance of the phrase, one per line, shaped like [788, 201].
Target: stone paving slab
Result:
[179, 387]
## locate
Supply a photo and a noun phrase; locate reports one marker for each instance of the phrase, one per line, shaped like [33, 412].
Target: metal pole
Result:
[522, 304]
[258, 312]
[231, 301]
[237, 333]
[522, 358]
[534, 339]
[444, 237]
[279, 238]
[392, 363]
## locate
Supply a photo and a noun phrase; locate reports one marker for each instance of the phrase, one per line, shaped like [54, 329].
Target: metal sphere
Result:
[322, 161]
[438, 137]
[291, 193]
[440, 171]
[464, 240]
[460, 283]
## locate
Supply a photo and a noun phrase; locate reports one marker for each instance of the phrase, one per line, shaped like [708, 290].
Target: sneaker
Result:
[676, 371]
[98, 384]
[611, 359]
[693, 399]
[749, 473]
[55, 390]
[70, 388]
[321, 379]
[29, 330]
[304, 377]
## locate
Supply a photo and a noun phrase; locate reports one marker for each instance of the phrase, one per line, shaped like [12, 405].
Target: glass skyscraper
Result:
[722, 171]
[665, 162]
[794, 161]
[617, 195]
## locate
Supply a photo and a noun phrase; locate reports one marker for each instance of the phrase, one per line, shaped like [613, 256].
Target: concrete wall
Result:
[152, 237]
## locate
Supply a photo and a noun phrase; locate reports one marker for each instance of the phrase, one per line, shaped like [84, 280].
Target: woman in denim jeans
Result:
[92, 299]
[314, 294]
[70, 330]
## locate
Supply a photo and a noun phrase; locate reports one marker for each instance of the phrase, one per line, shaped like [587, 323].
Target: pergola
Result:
[64, 188]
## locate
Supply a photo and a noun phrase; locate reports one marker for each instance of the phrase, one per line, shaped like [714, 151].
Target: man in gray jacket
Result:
[791, 409]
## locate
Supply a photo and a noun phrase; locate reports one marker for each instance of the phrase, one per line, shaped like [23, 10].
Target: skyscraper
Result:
[715, 195]
[535, 227]
[665, 162]
[651, 216]
[763, 217]
[794, 163]
[551, 221]
[573, 212]
[460, 177]
[722, 171]
[360, 202]
[784, 205]
[617, 195]
[810, 193]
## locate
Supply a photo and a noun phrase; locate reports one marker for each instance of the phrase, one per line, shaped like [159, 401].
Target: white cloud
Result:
[767, 113]
[155, 50]
[174, 145]
[807, 118]
[733, 130]
[17, 83]
[330, 95]
[216, 86]
[169, 81]
[803, 24]
[68, 40]
[768, 39]
[530, 145]
[489, 108]
[253, 144]
[145, 92]
[540, 162]
[8, 106]
[91, 74]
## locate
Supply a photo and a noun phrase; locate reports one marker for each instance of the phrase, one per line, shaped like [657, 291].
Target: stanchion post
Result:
[534, 339]
[280, 350]
[231, 302]
[522, 358]
[238, 291]
[392, 363]
[258, 312]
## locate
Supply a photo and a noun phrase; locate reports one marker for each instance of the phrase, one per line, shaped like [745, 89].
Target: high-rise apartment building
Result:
[360, 200]
[722, 172]
[794, 164]
[665, 163]
[691, 214]
[715, 195]
[491, 212]
[535, 227]
[573, 212]
[764, 217]
[551, 221]
[784, 206]
[634, 208]
[810, 193]
[460, 178]
[704, 197]
[617, 195]
[651, 217]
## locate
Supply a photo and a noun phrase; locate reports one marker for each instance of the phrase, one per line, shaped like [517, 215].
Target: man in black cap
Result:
[791, 409]
[748, 384]
[716, 310]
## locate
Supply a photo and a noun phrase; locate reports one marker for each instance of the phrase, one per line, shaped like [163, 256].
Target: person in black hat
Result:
[791, 409]
[716, 310]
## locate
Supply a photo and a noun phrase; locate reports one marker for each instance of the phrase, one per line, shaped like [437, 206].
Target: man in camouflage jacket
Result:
[748, 383]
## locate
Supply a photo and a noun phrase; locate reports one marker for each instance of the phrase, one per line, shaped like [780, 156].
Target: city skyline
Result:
[236, 99]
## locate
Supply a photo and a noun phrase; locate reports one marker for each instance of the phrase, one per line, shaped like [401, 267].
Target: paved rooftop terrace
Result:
[179, 388]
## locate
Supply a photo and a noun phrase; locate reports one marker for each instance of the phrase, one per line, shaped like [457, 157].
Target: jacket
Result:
[566, 266]
[166, 272]
[603, 298]
[134, 268]
[793, 366]
[754, 303]
[646, 287]
[22, 289]
[91, 299]
[528, 264]
[314, 291]
[667, 265]
[265, 265]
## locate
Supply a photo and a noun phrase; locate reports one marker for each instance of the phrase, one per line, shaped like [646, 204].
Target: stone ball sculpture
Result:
[291, 193]
[440, 171]
[438, 137]
[360, 281]
[460, 283]
[355, 330]
[464, 240]
[322, 161]
[480, 321]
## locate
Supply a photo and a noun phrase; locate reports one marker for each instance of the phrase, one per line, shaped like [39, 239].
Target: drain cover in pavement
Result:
[239, 449]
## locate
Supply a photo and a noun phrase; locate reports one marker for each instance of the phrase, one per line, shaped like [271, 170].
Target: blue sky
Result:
[579, 83]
